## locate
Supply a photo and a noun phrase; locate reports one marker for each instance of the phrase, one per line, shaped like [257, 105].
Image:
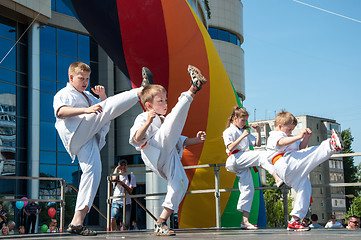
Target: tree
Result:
[355, 208]
[274, 203]
[350, 170]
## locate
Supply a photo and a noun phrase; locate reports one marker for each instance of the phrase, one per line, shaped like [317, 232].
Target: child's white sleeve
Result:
[61, 100]
[227, 137]
[138, 123]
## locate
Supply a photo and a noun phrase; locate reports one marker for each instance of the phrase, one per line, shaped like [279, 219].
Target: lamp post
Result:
[350, 196]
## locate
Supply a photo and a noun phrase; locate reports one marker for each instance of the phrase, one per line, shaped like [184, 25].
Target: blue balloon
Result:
[19, 205]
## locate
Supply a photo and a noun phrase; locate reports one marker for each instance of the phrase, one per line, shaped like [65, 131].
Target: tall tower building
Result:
[225, 27]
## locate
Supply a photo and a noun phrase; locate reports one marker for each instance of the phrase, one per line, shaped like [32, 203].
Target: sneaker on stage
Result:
[248, 226]
[298, 226]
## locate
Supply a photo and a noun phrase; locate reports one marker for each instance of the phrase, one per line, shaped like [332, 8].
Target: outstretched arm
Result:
[200, 137]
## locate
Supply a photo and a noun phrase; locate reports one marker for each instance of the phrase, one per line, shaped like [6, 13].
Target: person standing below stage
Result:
[314, 222]
[82, 122]
[123, 181]
[333, 223]
[161, 144]
[293, 161]
[31, 210]
[238, 140]
[353, 223]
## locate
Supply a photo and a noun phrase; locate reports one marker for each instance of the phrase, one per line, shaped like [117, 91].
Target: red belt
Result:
[143, 145]
[236, 151]
[275, 158]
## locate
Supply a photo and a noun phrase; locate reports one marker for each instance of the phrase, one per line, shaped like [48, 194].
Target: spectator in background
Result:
[31, 210]
[343, 222]
[2, 215]
[4, 230]
[11, 226]
[127, 182]
[332, 223]
[134, 225]
[314, 222]
[353, 223]
[21, 229]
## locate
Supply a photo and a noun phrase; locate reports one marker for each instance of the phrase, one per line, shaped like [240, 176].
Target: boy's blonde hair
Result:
[149, 92]
[285, 118]
[237, 112]
[77, 67]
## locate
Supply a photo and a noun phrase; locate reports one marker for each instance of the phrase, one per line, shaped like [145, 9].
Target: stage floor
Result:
[234, 233]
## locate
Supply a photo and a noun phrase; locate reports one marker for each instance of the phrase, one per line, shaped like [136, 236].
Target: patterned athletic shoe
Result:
[81, 230]
[249, 227]
[298, 226]
[147, 77]
[336, 140]
[197, 78]
[162, 229]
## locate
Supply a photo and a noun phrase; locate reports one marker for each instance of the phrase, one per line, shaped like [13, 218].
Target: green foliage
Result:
[355, 208]
[350, 170]
[274, 203]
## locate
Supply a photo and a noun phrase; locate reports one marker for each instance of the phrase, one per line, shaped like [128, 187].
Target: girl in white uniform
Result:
[237, 140]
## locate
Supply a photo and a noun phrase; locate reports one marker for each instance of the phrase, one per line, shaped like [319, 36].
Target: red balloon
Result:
[51, 212]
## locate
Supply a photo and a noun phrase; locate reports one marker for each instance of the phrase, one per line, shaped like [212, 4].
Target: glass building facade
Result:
[58, 49]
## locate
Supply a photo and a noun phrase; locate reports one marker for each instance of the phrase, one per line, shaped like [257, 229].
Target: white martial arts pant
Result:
[241, 163]
[169, 165]
[246, 189]
[294, 167]
[240, 160]
[86, 145]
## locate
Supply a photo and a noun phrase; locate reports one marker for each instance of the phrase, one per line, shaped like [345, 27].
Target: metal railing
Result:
[217, 190]
[61, 200]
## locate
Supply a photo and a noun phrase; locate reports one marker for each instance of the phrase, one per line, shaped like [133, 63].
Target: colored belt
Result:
[275, 158]
[143, 145]
[236, 151]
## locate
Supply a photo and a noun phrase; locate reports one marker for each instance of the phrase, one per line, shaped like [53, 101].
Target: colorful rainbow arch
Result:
[166, 36]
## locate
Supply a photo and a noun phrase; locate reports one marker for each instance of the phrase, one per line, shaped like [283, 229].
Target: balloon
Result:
[51, 212]
[44, 228]
[25, 203]
[19, 205]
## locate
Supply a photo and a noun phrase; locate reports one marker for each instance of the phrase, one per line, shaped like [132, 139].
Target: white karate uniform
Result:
[164, 147]
[84, 135]
[241, 162]
[295, 165]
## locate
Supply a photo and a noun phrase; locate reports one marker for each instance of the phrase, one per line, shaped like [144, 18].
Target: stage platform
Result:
[233, 233]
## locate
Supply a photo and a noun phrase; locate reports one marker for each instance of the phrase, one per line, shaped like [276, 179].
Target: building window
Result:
[323, 216]
[224, 35]
[318, 138]
[322, 203]
[321, 190]
[320, 177]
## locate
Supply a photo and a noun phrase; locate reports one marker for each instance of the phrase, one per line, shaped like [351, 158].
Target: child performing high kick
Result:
[237, 140]
[161, 144]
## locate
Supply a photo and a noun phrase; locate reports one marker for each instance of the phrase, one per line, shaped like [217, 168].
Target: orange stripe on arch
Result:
[186, 46]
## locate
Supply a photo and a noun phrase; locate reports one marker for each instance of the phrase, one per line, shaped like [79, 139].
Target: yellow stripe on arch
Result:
[199, 209]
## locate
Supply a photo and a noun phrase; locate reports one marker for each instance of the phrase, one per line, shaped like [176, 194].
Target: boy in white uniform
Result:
[293, 161]
[82, 122]
[161, 144]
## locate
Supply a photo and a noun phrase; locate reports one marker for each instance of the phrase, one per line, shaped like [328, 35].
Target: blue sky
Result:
[304, 60]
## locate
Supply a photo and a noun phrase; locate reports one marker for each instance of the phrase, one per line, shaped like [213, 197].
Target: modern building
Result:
[225, 27]
[327, 201]
[39, 40]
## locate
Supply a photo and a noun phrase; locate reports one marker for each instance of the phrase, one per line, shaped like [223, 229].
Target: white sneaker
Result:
[248, 226]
